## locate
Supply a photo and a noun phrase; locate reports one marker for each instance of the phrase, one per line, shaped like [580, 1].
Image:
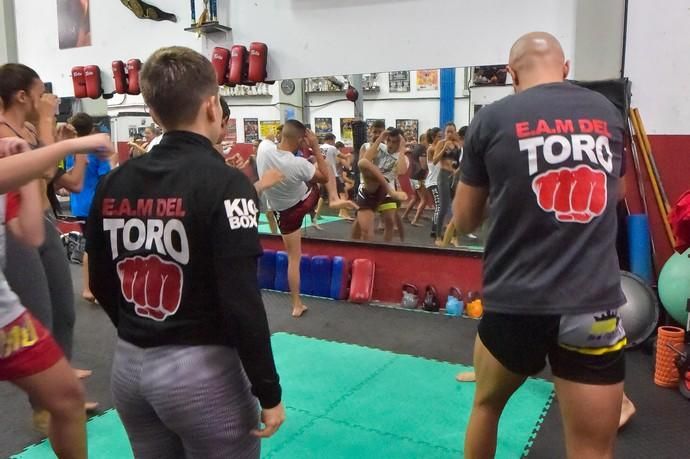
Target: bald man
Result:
[547, 160]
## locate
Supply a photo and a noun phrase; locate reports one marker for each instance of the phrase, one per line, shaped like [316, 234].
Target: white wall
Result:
[115, 34]
[658, 65]
[319, 37]
[598, 39]
[8, 35]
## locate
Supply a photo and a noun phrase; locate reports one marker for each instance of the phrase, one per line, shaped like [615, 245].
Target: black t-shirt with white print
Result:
[173, 247]
[551, 159]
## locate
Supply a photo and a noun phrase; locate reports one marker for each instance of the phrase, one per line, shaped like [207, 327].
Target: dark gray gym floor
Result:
[659, 430]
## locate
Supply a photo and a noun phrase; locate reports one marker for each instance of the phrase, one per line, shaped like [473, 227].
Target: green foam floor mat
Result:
[349, 401]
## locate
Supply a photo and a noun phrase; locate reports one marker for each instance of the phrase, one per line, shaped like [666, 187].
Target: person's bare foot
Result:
[298, 311]
[439, 243]
[88, 296]
[316, 225]
[82, 374]
[90, 406]
[466, 376]
[627, 411]
[414, 223]
[342, 204]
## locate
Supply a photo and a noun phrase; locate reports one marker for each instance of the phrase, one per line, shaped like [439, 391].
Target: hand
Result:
[47, 106]
[312, 139]
[95, 143]
[272, 419]
[383, 137]
[399, 196]
[65, 131]
[12, 145]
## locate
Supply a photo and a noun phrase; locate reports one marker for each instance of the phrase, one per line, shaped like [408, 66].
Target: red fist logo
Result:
[575, 195]
[153, 285]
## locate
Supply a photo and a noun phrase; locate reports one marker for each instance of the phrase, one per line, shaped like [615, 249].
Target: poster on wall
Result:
[251, 130]
[322, 126]
[489, 75]
[399, 81]
[268, 128]
[427, 80]
[410, 129]
[74, 23]
[346, 130]
[231, 132]
[371, 121]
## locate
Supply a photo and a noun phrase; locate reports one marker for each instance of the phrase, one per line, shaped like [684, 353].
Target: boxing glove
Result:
[120, 77]
[78, 82]
[238, 57]
[220, 59]
[133, 68]
[92, 75]
[258, 55]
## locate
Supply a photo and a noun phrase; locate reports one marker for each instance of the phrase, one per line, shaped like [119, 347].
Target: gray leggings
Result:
[42, 280]
[445, 181]
[189, 402]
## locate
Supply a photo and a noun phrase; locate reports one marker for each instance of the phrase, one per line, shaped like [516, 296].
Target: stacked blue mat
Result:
[320, 275]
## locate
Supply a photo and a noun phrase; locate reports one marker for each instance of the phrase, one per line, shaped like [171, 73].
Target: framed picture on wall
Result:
[427, 80]
[322, 126]
[267, 128]
[74, 23]
[346, 130]
[251, 129]
[399, 81]
[489, 75]
[370, 121]
[410, 129]
[231, 132]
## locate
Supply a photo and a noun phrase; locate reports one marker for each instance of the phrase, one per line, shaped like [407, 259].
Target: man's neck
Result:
[196, 129]
[538, 81]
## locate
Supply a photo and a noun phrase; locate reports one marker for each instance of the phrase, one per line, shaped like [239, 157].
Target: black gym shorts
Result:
[583, 348]
[370, 200]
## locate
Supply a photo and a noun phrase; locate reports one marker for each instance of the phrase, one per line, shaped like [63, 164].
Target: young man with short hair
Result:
[380, 164]
[330, 153]
[174, 247]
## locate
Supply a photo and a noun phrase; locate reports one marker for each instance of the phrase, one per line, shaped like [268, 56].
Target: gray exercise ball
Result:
[640, 313]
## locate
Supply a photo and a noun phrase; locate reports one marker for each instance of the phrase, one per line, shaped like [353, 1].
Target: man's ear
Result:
[213, 109]
[514, 77]
[566, 69]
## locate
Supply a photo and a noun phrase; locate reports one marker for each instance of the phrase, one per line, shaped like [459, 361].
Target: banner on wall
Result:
[346, 130]
[322, 126]
[251, 129]
[427, 80]
[74, 23]
[410, 129]
[399, 81]
[268, 128]
[231, 132]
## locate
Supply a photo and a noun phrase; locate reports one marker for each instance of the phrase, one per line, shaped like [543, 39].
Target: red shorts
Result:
[290, 220]
[26, 348]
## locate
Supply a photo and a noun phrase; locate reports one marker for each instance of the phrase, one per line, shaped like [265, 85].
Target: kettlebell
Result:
[454, 303]
[410, 296]
[431, 303]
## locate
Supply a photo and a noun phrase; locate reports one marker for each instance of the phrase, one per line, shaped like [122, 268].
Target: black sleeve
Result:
[236, 247]
[473, 168]
[104, 281]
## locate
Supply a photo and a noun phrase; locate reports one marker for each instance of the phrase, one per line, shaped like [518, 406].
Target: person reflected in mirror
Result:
[330, 153]
[447, 156]
[418, 171]
[344, 168]
[450, 237]
[434, 136]
[380, 165]
[297, 194]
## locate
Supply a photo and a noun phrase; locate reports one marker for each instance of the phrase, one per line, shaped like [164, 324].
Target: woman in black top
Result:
[418, 172]
[448, 154]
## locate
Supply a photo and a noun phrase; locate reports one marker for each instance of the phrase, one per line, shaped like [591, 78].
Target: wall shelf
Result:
[208, 28]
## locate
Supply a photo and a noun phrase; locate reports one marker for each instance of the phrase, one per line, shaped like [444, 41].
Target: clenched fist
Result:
[153, 285]
[573, 194]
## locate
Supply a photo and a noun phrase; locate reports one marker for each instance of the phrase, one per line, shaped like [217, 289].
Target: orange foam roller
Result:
[665, 371]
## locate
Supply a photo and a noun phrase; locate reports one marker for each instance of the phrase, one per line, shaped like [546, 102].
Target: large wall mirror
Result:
[418, 102]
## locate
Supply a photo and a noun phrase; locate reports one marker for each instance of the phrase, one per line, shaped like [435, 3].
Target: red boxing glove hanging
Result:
[120, 77]
[92, 75]
[258, 56]
[133, 68]
[78, 82]
[238, 57]
[220, 59]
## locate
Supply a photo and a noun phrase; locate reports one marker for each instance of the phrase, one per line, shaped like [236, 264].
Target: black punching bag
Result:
[359, 138]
